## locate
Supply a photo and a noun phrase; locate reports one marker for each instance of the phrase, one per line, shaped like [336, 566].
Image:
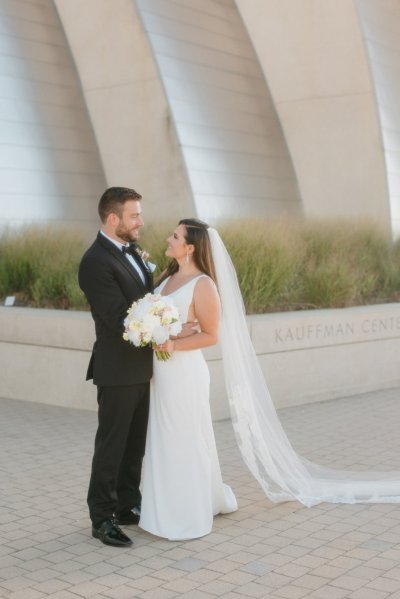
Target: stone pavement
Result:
[263, 550]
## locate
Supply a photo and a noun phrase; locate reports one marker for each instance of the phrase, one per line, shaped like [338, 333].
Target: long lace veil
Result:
[265, 448]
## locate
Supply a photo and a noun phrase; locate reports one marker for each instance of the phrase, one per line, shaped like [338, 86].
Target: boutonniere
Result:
[145, 257]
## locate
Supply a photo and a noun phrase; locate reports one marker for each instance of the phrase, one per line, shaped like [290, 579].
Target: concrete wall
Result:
[306, 356]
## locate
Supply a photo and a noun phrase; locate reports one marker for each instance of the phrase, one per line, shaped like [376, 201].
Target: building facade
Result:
[224, 109]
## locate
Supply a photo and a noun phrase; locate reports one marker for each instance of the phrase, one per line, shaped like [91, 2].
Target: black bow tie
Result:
[134, 250]
[130, 249]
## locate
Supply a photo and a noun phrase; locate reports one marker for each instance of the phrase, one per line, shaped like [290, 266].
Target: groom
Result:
[113, 275]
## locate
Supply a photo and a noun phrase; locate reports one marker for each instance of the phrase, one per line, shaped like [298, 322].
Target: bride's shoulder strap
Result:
[204, 277]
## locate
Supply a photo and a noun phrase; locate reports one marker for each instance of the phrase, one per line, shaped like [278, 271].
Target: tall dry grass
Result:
[281, 265]
[286, 265]
[39, 266]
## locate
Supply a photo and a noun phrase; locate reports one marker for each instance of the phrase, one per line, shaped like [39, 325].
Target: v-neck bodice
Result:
[182, 296]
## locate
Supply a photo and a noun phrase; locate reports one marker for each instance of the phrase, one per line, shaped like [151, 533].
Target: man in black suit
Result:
[113, 275]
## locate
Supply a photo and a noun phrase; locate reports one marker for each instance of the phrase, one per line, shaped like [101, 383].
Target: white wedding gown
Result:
[182, 486]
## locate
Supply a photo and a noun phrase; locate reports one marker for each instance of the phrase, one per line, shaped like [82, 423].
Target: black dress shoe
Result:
[131, 517]
[110, 534]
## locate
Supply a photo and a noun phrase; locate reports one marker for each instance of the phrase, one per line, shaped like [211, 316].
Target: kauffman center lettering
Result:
[340, 331]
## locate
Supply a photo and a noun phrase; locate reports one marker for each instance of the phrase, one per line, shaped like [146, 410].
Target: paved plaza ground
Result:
[263, 550]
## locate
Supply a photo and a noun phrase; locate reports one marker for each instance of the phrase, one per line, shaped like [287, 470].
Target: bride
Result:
[182, 485]
[181, 478]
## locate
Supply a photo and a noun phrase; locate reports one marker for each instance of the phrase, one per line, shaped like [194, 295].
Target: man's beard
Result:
[125, 234]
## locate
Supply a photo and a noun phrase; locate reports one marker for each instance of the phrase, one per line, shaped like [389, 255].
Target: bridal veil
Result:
[265, 448]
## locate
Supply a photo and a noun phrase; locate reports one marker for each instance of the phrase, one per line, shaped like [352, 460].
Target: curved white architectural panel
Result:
[236, 157]
[381, 26]
[49, 164]
[314, 59]
[127, 104]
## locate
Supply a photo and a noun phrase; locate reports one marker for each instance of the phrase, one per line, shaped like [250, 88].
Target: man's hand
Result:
[188, 329]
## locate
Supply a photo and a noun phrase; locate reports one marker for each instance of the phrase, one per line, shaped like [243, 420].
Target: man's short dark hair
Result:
[113, 200]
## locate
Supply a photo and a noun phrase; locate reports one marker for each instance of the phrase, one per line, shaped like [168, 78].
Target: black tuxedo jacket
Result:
[111, 284]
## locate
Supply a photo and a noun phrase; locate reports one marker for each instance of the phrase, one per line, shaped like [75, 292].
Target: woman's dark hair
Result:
[196, 234]
[113, 200]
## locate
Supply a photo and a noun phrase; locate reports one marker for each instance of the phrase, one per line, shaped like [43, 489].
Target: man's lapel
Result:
[150, 281]
[145, 270]
[118, 255]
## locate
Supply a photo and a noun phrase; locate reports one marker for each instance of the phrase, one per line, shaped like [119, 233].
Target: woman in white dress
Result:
[182, 484]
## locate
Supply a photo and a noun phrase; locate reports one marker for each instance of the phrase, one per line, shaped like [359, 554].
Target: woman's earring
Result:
[187, 258]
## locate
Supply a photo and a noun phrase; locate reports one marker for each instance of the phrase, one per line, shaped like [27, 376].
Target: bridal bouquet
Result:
[152, 319]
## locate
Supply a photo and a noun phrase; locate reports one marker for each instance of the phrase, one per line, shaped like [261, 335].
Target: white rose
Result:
[160, 335]
[146, 337]
[134, 337]
[150, 322]
[134, 325]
